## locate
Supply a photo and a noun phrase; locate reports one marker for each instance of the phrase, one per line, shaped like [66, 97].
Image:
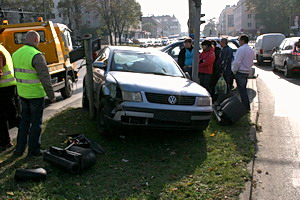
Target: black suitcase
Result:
[229, 111]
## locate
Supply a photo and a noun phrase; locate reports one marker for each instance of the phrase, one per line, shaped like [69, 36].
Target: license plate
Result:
[172, 116]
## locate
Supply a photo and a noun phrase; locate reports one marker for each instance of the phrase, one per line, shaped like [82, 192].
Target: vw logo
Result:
[172, 99]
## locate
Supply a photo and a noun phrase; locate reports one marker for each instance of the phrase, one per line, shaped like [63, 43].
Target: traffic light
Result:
[22, 16]
[202, 21]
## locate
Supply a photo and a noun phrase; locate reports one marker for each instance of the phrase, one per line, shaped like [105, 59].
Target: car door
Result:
[286, 52]
[278, 55]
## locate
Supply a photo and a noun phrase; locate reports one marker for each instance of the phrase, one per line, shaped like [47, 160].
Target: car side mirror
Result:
[100, 65]
[275, 49]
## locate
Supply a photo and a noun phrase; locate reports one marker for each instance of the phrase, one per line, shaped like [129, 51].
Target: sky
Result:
[180, 8]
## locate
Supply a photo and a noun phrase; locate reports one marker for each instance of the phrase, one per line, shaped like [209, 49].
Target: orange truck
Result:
[56, 44]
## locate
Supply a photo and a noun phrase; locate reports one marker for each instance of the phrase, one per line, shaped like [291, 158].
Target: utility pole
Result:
[191, 22]
[196, 40]
[89, 72]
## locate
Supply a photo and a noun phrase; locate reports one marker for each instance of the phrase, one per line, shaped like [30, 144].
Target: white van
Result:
[264, 46]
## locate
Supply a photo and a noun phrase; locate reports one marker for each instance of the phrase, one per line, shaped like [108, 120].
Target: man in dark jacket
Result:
[185, 57]
[216, 74]
[225, 60]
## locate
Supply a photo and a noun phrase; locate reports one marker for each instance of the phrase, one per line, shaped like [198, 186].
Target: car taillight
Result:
[261, 51]
[295, 53]
[296, 70]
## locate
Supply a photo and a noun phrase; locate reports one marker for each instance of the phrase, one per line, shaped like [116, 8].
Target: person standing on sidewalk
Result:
[241, 68]
[225, 60]
[8, 109]
[33, 84]
[185, 57]
[215, 75]
[206, 64]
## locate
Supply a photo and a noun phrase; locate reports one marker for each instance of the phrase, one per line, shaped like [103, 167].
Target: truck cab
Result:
[55, 44]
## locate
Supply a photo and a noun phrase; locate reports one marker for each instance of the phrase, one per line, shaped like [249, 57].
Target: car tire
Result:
[67, 91]
[287, 72]
[102, 123]
[259, 60]
[274, 69]
[203, 126]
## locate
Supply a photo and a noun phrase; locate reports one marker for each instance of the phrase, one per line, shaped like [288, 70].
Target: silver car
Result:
[285, 58]
[139, 87]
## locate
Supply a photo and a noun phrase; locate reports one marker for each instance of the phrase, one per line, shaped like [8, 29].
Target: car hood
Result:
[152, 83]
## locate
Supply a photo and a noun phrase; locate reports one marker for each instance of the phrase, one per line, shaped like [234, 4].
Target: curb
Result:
[254, 116]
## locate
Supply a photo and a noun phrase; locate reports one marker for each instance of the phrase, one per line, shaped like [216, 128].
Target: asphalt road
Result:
[61, 104]
[277, 166]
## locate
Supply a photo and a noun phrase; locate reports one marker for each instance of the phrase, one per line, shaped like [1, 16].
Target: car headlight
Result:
[131, 96]
[204, 101]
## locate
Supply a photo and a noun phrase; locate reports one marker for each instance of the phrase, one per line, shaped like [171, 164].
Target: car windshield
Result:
[143, 62]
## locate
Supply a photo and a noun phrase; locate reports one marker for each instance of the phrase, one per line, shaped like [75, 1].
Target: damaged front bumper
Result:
[134, 114]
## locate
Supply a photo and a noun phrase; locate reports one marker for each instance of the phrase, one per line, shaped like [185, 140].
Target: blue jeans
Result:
[30, 125]
[241, 81]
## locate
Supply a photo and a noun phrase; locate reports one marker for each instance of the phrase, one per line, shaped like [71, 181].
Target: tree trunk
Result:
[120, 36]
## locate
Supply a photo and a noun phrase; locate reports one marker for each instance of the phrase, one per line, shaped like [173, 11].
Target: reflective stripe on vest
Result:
[28, 82]
[7, 79]
[29, 71]
[6, 73]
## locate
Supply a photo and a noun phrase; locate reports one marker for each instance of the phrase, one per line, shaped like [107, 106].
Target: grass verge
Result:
[138, 165]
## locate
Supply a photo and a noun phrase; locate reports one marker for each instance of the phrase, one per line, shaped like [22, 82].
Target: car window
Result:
[104, 55]
[144, 63]
[288, 45]
[175, 51]
[232, 45]
[282, 44]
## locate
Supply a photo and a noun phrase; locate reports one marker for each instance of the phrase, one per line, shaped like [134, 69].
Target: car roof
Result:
[135, 49]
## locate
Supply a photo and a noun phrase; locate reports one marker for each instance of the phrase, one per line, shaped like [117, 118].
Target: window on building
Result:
[230, 20]
[249, 25]
[249, 16]
[59, 15]
[257, 24]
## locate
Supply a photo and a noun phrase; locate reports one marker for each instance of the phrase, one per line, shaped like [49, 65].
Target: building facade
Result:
[244, 21]
[226, 22]
[161, 26]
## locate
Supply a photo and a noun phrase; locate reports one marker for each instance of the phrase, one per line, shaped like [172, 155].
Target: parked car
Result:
[138, 88]
[143, 44]
[285, 58]
[174, 48]
[264, 45]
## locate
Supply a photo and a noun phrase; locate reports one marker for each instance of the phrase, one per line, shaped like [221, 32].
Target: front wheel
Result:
[287, 72]
[67, 91]
[102, 122]
[274, 69]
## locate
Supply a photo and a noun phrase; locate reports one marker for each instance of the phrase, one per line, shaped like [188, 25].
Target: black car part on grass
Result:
[74, 159]
[82, 141]
[228, 109]
[38, 174]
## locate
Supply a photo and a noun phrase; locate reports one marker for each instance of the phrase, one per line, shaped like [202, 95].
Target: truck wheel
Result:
[102, 123]
[85, 100]
[67, 91]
